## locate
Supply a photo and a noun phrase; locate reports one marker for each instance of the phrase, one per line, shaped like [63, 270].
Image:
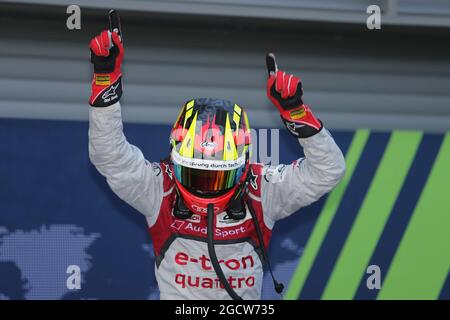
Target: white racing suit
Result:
[183, 268]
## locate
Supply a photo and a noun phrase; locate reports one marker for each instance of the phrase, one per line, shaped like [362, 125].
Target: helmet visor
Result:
[207, 180]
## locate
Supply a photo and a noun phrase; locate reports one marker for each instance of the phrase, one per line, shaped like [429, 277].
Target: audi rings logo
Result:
[208, 145]
[203, 209]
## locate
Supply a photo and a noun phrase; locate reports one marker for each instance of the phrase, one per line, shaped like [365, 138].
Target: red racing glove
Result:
[285, 91]
[106, 56]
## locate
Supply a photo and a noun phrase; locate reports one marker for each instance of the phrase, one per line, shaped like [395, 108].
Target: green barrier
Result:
[373, 215]
[422, 261]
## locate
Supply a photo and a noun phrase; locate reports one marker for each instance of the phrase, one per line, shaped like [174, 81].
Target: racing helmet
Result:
[210, 152]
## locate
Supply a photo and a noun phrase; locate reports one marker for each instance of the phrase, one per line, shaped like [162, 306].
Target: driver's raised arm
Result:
[130, 176]
[287, 188]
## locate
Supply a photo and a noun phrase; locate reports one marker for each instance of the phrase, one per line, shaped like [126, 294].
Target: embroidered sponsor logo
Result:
[204, 263]
[189, 281]
[177, 224]
[243, 263]
[208, 145]
[197, 208]
[223, 220]
[293, 127]
[155, 167]
[207, 164]
[275, 174]
[252, 181]
[195, 218]
[102, 80]
[110, 94]
[168, 171]
[298, 113]
[193, 228]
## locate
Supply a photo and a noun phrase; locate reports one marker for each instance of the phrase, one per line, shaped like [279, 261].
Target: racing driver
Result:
[208, 182]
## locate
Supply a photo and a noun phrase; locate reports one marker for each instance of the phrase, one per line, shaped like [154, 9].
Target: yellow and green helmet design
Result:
[210, 145]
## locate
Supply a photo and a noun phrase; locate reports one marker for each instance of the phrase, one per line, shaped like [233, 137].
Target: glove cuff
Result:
[301, 122]
[106, 90]
[301, 130]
